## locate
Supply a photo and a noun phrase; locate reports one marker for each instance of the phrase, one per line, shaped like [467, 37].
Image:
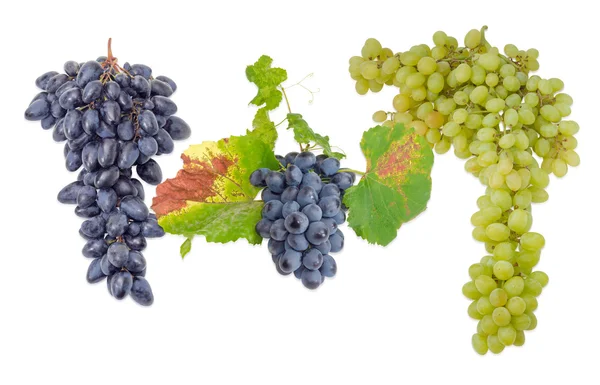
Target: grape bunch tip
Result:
[112, 119]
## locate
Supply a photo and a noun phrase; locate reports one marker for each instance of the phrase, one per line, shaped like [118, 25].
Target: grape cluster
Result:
[112, 119]
[494, 113]
[302, 211]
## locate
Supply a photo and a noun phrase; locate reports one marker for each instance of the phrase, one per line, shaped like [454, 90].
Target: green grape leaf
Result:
[396, 186]
[186, 247]
[267, 79]
[263, 127]
[212, 195]
[303, 134]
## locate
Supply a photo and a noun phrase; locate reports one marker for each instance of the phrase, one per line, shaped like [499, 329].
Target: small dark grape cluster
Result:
[303, 208]
[112, 119]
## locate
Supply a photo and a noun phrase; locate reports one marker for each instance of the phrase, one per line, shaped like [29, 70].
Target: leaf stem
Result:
[287, 102]
[354, 171]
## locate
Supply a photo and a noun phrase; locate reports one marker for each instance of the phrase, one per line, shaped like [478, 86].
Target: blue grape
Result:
[317, 233]
[177, 128]
[148, 123]
[272, 210]
[343, 180]
[137, 242]
[275, 181]
[289, 207]
[313, 212]
[276, 247]
[106, 177]
[289, 194]
[94, 248]
[337, 242]
[330, 205]
[329, 267]
[257, 178]
[313, 180]
[296, 223]
[311, 279]
[329, 189]
[42, 80]
[134, 208]
[116, 224]
[69, 193]
[90, 71]
[151, 229]
[150, 172]
[290, 261]
[158, 87]
[297, 242]
[329, 166]
[331, 224]
[112, 90]
[290, 157]
[163, 106]
[121, 284]
[305, 160]
[107, 199]
[263, 227]
[268, 195]
[117, 254]
[94, 273]
[148, 146]
[293, 175]
[141, 291]
[306, 196]
[92, 91]
[312, 259]
[278, 231]
[107, 152]
[93, 228]
[86, 196]
[324, 248]
[136, 262]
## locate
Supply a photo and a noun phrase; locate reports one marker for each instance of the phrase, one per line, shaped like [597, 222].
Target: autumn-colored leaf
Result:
[396, 186]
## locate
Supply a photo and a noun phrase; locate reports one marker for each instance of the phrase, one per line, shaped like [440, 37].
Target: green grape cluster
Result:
[503, 120]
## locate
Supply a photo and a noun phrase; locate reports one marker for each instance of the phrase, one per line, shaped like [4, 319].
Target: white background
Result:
[224, 316]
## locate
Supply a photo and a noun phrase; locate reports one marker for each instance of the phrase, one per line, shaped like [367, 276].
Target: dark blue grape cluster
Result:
[302, 211]
[112, 119]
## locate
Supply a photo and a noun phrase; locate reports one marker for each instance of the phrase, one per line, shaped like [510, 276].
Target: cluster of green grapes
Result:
[496, 115]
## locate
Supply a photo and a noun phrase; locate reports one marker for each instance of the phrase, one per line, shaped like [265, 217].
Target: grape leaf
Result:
[212, 195]
[267, 79]
[396, 186]
[186, 247]
[303, 134]
[264, 128]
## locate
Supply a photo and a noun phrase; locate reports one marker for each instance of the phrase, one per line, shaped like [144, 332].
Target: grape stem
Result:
[287, 102]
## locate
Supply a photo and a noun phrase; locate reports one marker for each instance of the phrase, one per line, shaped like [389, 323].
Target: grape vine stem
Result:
[287, 102]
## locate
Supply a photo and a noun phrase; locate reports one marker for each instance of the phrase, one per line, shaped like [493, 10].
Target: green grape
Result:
[538, 195]
[369, 70]
[568, 127]
[371, 49]
[484, 306]
[545, 87]
[492, 79]
[419, 126]
[439, 38]
[409, 58]
[435, 82]
[434, 119]
[495, 105]
[403, 117]
[390, 65]
[564, 98]
[374, 86]
[415, 80]
[487, 325]
[478, 75]
[563, 109]
[507, 335]
[556, 84]
[439, 52]
[451, 129]
[423, 110]
[479, 234]
[532, 241]
[494, 344]
[475, 270]
[433, 135]
[485, 284]
[472, 311]
[497, 232]
[501, 91]
[461, 98]
[379, 116]
[446, 107]
[498, 297]
[479, 95]
[505, 166]
[501, 316]
[511, 83]
[401, 103]
[463, 73]
[507, 70]
[521, 322]
[479, 343]
[489, 61]
[549, 130]
[362, 86]
[403, 73]
[559, 168]
[507, 140]
[511, 50]
[522, 199]
[528, 259]
[550, 113]
[532, 99]
[472, 38]
[518, 221]
[513, 100]
[520, 339]
[443, 68]
[504, 251]
[530, 301]
[460, 115]
[491, 120]
[533, 319]
[514, 286]
[502, 199]
[443, 146]
[542, 147]
[470, 290]
[532, 287]
[526, 116]
[488, 158]
[503, 270]
[427, 65]
[473, 121]
[516, 306]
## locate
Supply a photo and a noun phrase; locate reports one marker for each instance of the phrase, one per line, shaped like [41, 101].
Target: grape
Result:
[111, 120]
[300, 235]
